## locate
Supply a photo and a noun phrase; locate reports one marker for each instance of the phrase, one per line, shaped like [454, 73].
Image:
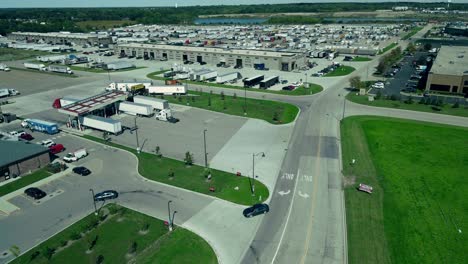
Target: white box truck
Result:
[35, 66]
[228, 77]
[136, 109]
[203, 75]
[75, 155]
[102, 123]
[126, 86]
[4, 67]
[4, 93]
[167, 89]
[53, 58]
[59, 69]
[155, 103]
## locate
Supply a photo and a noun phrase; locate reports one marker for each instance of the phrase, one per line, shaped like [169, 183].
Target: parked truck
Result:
[127, 86]
[102, 123]
[203, 75]
[35, 66]
[53, 58]
[4, 93]
[136, 109]
[75, 155]
[228, 77]
[167, 89]
[155, 103]
[4, 67]
[64, 101]
[40, 125]
[250, 82]
[59, 69]
[267, 83]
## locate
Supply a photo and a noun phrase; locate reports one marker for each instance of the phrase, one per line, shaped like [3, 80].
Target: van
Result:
[76, 155]
[57, 148]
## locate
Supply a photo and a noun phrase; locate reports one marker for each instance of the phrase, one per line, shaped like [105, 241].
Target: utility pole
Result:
[344, 107]
[136, 135]
[94, 201]
[204, 144]
[245, 100]
[252, 186]
[169, 214]
[172, 222]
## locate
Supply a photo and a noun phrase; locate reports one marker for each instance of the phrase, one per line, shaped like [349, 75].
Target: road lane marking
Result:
[284, 193]
[303, 195]
[287, 220]
[288, 176]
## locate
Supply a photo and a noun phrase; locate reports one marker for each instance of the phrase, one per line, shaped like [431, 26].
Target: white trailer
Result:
[119, 65]
[59, 69]
[126, 86]
[136, 109]
[155, 103]
[4, 93]
[35, 66]
[205, 75]
[181, 76]
[102, 123]
[53, 58]
[4, 67]
[228, 77]
[167, 89]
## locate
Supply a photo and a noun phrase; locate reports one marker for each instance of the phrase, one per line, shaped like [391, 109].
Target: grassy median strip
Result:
[120, 235]
[340, 71]
[417, 209]
[24, 181]
[100, 70]
[358, 58]
[313, 88]
[193, 177]
[414, 105]
[233, 104]
[389, 47]
[412, 33]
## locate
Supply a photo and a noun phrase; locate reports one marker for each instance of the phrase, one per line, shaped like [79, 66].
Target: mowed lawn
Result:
[418, 211]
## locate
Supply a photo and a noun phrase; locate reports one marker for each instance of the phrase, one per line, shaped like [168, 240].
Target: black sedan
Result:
[35, 193]
[256, 210]
[106, 195]
[83, 171]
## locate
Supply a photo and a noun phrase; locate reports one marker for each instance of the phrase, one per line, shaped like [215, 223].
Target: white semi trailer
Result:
[53, 58]
[136, 109]
[155, 103]
[59, 69]
[126, 86]
[228, 77]
[35, 66]
[4, 67]
[167, 89]
[102, 123]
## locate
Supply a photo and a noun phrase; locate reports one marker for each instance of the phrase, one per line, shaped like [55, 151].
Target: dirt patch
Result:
[349, 181]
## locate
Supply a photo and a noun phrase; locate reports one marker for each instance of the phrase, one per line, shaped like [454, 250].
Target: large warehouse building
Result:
[285, 61]
[18, 158]
[61, 38]
[449, 73]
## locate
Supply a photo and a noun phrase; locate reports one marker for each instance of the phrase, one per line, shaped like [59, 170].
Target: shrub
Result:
[188, 158]
[234, 96]
[222, 95]
[145, 227]
[75, 236]
[100, 259]
[275, 115]
[456, 105]
[133, 248]
[393, 97]
[209, 100]
[48, 252]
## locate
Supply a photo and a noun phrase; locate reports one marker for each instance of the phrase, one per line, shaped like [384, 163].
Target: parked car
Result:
[106, 195]
[256, 210]
[35, 193]
[56, 148]
[288, 88]
[47, 143]
[83, 171]
[26, 136]
[17, 133]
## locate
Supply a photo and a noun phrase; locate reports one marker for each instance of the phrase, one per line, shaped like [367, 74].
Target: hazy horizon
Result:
[153, 3]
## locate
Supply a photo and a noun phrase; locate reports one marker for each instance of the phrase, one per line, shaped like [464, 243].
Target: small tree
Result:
[378, 95]
[234, 96]
[275, 115]
[224, 104]
[93, 243]
[222, 95]
[100, 259]
[48, 252]
[179, 98]
[355, 82]
[193, 99]
[456, 105]
[145, 227]
[188, 158]
[104, 135]
[133, 248]
[157, 150]
[15, 250]
[171, 173]
[209, 100]
[34, 255]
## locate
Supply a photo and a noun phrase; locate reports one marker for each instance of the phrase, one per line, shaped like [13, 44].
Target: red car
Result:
[57, 148]
[26, 136]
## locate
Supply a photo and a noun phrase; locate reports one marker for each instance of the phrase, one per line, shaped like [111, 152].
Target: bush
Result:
[48, 252]
[100, 259]
[394, 97]
[145, 227]
[275, 115]
[94, 222]
[234, 96]
[456, 105]
[63, 243]
[188, 158]
[222, 95]
[34, 255]
[133, 248]
[75, 236]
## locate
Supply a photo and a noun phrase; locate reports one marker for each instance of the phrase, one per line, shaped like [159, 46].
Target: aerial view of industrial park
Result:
[233, 132]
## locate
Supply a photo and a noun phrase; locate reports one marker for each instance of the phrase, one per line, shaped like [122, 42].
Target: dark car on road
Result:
[256, 210]
[83, 171]
[26, 136]
[106, 195]
[35, 193]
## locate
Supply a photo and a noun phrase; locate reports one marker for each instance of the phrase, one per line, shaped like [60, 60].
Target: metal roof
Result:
[92, 103]
[14, 151]
[451, 61]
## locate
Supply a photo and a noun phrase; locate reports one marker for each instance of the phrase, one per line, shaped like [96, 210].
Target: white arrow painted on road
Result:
[303, 195]
[283, 192]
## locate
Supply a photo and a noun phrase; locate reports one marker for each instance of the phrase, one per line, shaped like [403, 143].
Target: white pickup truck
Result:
[76, 155]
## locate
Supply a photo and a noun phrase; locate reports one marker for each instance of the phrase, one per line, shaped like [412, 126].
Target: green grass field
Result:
[115, 236]
[24, 181]
[10, 54]
[193, 177]
[99, 70]
[419, 201]
[412, 32]
[313, 88]
[389, 47]
[255, 108]
[340, 71]
[358, 58]
[446, 109]
[103, 24]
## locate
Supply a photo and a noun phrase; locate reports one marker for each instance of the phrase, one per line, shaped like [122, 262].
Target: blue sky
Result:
[125, 3]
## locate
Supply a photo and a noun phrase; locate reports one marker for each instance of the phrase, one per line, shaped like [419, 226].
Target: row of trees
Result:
[388, 60]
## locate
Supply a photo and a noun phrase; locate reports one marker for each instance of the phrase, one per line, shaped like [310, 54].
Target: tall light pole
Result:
[204, 145]
[253, 170]
[245, 100]
[94, 201]
[169, 214]
[344, 107]
[136, 134]
[172, 222]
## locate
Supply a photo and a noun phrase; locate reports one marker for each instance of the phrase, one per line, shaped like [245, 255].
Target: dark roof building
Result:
[17, 158]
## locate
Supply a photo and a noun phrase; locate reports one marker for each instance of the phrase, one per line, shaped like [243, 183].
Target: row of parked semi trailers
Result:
[149, 88]
[50, 68]
[261, 81]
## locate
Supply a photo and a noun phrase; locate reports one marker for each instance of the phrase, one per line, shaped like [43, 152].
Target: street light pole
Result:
[204, 145]
[136, 134]
[169, 214]
[172, 222]
[94, 201]
[344, 107]
[252, 186]
[245, 100]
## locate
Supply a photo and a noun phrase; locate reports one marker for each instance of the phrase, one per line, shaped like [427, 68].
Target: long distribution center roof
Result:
[92, 103]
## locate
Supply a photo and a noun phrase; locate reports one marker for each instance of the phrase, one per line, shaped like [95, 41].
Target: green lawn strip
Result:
[340, 71]
[446, 109]
[313, 88]
[389, 47]
[115, 236]
[419, 190]
[260, 109]
[46, 72]
[99, 70]
[193, 177]
[358, 58]
[11, 54]
[25, 180]
[412, 33]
